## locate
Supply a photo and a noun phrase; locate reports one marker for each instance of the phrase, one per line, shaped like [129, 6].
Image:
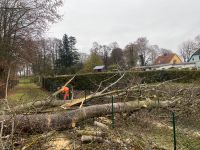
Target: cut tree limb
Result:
[65, 120]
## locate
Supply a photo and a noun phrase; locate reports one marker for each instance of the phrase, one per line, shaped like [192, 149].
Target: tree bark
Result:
[38, 104]
[66, 120]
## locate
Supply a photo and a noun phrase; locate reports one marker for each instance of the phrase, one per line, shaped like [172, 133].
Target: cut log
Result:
[64, 120]
[105, 120]
[87, 139]
[101, 125]
[93, 133]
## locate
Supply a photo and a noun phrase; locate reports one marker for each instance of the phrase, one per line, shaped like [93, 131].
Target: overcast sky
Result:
[166, 23]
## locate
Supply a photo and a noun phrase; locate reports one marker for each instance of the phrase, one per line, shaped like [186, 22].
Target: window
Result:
[193, 58]
[199, 57]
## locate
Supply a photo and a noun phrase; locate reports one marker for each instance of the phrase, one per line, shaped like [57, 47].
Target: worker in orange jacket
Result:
[65, 91]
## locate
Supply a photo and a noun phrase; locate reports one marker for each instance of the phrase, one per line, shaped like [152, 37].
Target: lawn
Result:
[26, 91]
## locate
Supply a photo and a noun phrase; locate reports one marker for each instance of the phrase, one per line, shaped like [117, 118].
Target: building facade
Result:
[168, 59]
[195, 58]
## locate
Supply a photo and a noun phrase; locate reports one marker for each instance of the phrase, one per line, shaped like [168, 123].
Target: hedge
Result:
[92, 80]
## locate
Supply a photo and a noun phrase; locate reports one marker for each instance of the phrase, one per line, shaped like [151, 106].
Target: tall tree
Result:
[131, 55]
[105, 51]
[117, 56]
[143, 50]
[68, 55]
[46, 55]
[21, 20]
[153, 54]
[96, 48]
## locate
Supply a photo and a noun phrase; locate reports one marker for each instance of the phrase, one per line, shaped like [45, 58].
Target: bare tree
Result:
[96, 47]
[153, 54]
[187, 49]
[113, 45]
[21, 21]
[197, 42]
[105, 51]
[165, 51]
[143, 50]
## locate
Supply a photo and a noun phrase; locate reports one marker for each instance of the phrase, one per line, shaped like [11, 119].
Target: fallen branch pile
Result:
[132, 98]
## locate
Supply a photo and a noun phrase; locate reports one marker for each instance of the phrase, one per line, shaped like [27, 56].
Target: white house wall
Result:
[196, 59]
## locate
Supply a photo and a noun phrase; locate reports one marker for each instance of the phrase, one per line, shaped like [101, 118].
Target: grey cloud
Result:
[166, 23]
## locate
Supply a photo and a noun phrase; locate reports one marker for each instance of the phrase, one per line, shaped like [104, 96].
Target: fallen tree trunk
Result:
[66, 120]
[54, 103]
[37, 104]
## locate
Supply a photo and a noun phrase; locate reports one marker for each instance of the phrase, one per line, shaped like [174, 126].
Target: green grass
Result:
[25, 92]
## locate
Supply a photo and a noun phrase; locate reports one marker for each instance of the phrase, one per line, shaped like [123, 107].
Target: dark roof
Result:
[197, 52]
[164, 59]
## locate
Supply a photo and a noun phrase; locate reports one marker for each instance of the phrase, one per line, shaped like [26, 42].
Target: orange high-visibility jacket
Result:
[65, 90]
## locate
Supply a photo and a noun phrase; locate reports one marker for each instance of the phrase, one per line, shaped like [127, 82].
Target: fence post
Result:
[174, 129]
[113, 117]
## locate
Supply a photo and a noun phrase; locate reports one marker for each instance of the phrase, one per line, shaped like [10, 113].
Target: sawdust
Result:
[60, 141]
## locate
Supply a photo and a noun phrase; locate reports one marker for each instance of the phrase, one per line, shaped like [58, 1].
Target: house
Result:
[99, 68]
[168, 59]
[195, 58]
[188, 65]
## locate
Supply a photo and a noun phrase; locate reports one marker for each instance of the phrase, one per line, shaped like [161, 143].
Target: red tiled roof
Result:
[164, 59]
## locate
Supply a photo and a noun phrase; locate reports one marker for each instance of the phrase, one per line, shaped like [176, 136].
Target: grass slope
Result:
[25, 92]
